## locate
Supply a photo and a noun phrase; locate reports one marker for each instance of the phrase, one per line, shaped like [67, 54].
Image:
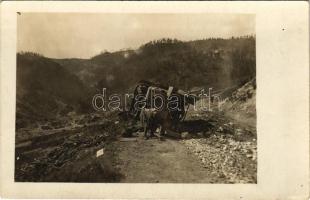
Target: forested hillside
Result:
[49, 87]
[216, 63]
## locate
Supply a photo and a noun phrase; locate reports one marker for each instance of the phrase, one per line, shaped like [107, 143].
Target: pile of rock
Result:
[233, 161]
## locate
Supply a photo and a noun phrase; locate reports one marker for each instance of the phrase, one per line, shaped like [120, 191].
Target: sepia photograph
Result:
[136, 98]
[154, 100]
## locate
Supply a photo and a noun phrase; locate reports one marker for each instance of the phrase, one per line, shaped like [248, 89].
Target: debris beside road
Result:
[231, 160]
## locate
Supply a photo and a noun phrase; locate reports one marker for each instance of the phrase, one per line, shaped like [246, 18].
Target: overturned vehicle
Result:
[152, 95]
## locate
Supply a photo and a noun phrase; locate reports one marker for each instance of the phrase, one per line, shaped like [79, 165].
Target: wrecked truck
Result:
[146, 95]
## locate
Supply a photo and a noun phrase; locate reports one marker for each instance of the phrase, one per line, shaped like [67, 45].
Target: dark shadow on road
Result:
[191, 129]
[195, 126]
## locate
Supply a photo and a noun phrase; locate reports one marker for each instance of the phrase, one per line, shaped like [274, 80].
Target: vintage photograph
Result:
[136, 98]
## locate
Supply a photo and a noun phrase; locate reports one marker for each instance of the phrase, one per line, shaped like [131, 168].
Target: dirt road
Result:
[155, 161]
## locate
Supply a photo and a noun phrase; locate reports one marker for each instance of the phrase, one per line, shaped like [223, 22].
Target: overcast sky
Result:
[64, 35]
